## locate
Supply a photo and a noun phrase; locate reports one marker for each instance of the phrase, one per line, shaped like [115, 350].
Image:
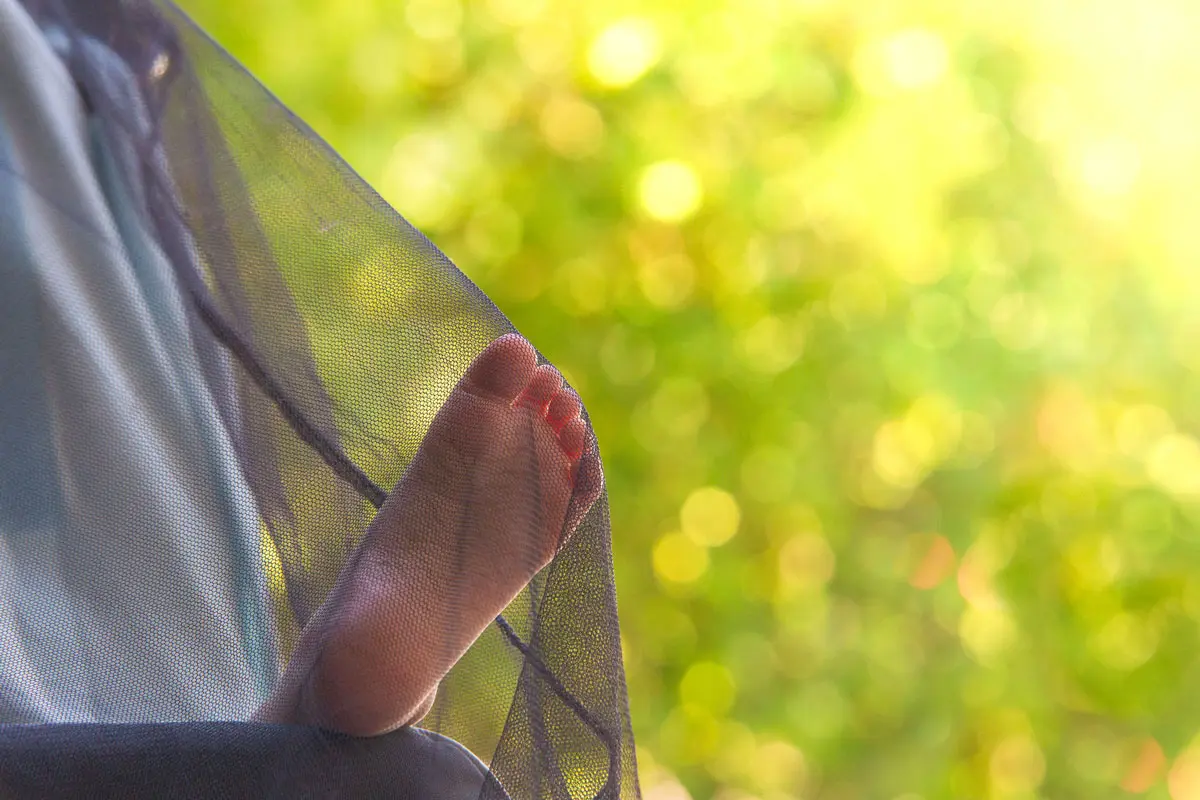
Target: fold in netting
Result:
[218, 346]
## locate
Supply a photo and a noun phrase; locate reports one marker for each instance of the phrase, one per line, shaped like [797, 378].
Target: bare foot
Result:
[504, 474]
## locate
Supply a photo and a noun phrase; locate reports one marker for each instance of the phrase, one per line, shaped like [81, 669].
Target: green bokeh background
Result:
[885, 314]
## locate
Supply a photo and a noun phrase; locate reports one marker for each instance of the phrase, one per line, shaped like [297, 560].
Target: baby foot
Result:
[505, 473]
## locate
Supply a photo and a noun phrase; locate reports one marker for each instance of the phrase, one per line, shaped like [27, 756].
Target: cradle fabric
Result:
[208, 760]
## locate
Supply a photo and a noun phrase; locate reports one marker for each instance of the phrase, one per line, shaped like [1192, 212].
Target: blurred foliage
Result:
[885, 314]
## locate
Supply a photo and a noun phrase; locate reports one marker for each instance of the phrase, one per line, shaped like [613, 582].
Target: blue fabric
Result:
[130, 562]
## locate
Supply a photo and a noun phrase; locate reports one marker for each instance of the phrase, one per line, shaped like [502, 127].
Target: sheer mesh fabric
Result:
[321, 334]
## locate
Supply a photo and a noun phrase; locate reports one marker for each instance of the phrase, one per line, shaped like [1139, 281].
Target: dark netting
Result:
[220, 350]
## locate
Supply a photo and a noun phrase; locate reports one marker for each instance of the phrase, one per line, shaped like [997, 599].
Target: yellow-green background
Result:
[886, 316]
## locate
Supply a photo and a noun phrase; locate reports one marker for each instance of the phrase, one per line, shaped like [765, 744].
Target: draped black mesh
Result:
[329, 333]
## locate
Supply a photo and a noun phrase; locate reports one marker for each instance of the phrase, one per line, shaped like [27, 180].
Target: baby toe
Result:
[573, 437]
[563, 408]
[541, 388]
[587, 478]
[503, 369]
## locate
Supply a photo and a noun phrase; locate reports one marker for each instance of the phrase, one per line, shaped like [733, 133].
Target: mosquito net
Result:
[276, 479]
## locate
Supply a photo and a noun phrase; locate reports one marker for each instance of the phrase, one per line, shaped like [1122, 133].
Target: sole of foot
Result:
[502, 479]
